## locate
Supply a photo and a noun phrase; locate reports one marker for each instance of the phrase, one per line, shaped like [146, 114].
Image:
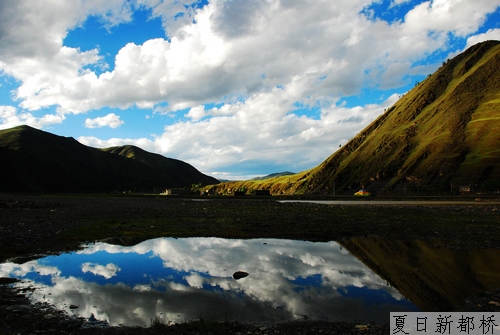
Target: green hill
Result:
[274, 175]
[34, 160]
[443, 134]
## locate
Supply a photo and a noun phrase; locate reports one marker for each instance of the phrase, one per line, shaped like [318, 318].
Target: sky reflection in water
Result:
[178, 280]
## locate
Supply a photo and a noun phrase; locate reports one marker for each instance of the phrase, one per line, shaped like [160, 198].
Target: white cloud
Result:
[399, 2]
[111, 120]
[23, 269]
[456, 16]
[11, 117]
[491, 34]
[259, 130]
[144, 143]
[255, 60]
[107, 271]
[197, 113]
[232, 48]
[32, 51]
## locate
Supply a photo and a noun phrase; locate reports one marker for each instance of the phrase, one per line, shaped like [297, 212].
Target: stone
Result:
[6, 281]
[240, 274]
[361, 327]
[71, 324]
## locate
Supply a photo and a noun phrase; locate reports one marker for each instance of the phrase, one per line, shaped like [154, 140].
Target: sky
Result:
[236, 88]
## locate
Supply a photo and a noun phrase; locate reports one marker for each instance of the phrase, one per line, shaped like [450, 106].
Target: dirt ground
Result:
[33, 225]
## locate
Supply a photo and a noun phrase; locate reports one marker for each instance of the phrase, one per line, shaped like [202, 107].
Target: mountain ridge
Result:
[424, 137]
[35, 160]
[442, 134]
[274, 175]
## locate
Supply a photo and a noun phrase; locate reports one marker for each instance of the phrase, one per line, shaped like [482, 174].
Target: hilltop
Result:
[34, 160]
[442, 135]
[274, 175]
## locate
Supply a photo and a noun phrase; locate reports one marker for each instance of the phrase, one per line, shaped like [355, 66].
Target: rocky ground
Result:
[32, 225]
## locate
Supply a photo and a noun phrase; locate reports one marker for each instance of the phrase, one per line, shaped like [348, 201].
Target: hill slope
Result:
[443, 133]
[274, 175]
[34, 160]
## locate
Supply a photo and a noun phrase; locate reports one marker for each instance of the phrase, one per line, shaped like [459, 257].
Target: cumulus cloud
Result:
[20, 270]
[145, 143]
[491, 34]
[174, 14]
[258, 131]
[255, 61]
[11, 117]
[197, 113]
[107, 271]
[444, 16]
[226, 48]
[111, 120]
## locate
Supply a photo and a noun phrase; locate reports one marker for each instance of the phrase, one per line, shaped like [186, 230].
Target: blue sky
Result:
[236, 88]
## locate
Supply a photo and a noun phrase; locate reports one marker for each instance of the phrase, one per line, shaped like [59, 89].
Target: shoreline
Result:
[47, 224]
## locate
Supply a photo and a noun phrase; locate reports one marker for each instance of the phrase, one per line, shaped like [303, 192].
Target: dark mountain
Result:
[34, 160]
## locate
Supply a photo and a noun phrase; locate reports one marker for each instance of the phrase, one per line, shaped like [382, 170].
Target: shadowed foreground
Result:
[34, 225]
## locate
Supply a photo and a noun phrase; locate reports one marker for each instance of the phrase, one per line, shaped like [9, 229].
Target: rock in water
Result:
[240, 274]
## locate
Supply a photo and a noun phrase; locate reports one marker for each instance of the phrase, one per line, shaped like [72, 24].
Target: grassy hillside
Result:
[277, 185]
[435, 136]
[34, 160]
[443, 134]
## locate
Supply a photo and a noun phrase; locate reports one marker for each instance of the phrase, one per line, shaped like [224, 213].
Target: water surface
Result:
[178, 280]
[359, 202]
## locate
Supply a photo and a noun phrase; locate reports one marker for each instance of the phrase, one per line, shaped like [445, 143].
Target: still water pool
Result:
[178, 280]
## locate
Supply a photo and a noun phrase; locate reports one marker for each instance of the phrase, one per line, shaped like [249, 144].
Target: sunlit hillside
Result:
[441, 136]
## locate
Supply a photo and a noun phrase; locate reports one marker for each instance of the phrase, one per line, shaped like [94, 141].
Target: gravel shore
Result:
[32, 225]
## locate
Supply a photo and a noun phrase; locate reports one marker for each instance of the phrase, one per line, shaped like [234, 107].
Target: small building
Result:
[465, 189]
[177, 191]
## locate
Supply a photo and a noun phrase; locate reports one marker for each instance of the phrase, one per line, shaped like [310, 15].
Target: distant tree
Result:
[196, 186]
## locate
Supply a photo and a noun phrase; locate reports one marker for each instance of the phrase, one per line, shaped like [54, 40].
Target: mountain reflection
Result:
[178, 280]
[433, 276]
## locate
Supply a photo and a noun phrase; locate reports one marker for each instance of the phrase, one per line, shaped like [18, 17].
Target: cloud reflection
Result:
[182, 279]
[106, 271]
